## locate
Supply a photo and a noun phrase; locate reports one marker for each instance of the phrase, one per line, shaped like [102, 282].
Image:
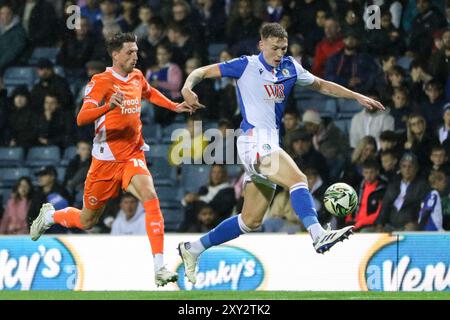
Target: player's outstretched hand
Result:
[116, 100]
[191, 99]
[184, 107]
[369, 103]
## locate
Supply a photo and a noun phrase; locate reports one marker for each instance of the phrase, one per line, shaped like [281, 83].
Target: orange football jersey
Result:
[118, 134]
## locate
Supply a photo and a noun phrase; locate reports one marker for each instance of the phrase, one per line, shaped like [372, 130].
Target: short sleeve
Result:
[304, 77]
[95, 91]
[233, 68]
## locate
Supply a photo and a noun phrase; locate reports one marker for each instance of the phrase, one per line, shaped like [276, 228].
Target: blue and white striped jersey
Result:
[262, 89]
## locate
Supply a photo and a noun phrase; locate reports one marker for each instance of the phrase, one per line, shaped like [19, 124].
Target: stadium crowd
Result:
[397, 160]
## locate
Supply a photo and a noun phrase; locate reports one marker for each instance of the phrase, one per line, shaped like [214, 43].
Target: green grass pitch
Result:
[219, 295]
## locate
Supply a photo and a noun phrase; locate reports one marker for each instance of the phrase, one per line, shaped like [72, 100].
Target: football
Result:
[340, 199]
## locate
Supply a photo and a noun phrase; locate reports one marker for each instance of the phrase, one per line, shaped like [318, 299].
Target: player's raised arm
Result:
[196, 76]
[333, 89]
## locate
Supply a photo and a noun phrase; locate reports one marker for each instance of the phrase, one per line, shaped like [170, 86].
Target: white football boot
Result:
[189, 260]
[330, 237]
[164, 276]
[42, 222]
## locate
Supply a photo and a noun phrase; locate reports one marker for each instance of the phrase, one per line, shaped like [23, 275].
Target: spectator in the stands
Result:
[108, 17]
[438, 160]
[444, 130]
[305, 155]
[21, 120]
[49, 81]
[14, 220]
[350, 66]
[440, 60]
[370, 197]
[218, 193]
[54, 125]
[167, 77]
[91, 11]
[291, 122]
[365, 149]
[389, 160]
[370, 122]
[401, 202]
[145, 16]
[419, 75]
[389, 140]
[419, 139]
[188, 20]
[400, 109]
[206, 219]
[213, 18]
[428, 20]
[352, 21]
[243, 26]
[382, 81]
[130, 220]
[433, 106]
[129, 20]
[77, 170]
[39, 19]
[13, 38]
[184, 45]
[50, 191]
[314, 36]
[396, 78]
[331, 44]
[77, 48]
[430, 215]
[155, 35]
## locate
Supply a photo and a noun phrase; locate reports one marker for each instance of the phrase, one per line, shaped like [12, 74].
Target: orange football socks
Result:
[154, 224]
[68, 217]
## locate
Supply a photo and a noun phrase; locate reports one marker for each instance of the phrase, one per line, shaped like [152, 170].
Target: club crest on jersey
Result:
[285, 72]
[275, 91]
[89, 88]
[135, 83]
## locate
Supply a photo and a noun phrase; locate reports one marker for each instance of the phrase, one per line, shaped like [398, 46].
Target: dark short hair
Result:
[438, 147]
[273, 30]
[128, 195]
[158, 22]
[115, 43]
[371, 164]
[292, 111]
[389, 135]
[390, 152]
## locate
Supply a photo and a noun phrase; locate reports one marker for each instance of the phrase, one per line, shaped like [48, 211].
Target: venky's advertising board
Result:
[375, 262]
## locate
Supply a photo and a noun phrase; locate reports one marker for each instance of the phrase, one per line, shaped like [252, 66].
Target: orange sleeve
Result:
[94, 94]
[156, 97]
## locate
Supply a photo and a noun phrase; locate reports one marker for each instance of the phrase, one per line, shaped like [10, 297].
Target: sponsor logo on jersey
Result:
[225, 268]
[131, 106]
[47, 264]
[408, 262]
[266, 147]
[275, 92]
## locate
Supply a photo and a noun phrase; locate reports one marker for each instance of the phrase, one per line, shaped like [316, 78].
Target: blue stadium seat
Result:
[168, 193]
[151, 132]
[61, 171]
[43, 156]
[9, 176]
[12, 156]
[234, 170]
[167, 131]
[173, 215]
[50, 53]
[158, 150]
[214, 50]
[193, 176]
[304, 93]
[69, 154]
[404, 62]
[344, 125]
[15, 76]
[162, 172]
[326, 107]
[4, 195]
[349, 106]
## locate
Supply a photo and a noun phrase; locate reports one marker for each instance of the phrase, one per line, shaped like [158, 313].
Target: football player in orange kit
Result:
[113, 102]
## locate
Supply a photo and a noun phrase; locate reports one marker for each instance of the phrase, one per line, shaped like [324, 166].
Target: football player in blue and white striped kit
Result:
[264, 83]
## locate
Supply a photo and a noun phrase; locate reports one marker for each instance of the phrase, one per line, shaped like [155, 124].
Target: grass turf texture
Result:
[219, 295]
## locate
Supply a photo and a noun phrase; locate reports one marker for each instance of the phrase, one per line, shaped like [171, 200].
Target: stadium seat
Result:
[168, 193]
[349, 106]
[15, 76]
[162, 172]
[167, 131]
[43, 156]
[12, 156]
[9, 176]
[4, 195]
[326, 107]
[173, 215]
[59, 71]
[214, 50]
[61, 171]
[69, 154]
[50, 53]
[158, 150]
[234, 170]
[193, 176]
[304, 93]
[151, 132]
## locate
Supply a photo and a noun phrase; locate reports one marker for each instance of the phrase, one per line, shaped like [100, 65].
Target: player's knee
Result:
[88, 221]
[252, 222]
[300, 177]
[147, 194]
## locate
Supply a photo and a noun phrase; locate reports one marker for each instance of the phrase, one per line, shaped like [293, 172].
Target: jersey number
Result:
[138, 163]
